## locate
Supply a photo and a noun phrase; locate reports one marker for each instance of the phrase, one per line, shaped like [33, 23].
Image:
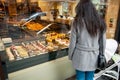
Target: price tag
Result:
[7, 40]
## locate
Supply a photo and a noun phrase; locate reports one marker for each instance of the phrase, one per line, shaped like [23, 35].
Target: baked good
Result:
[22, 52]
[9, 54]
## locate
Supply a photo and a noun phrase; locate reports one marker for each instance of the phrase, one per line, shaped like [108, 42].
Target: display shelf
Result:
[16, 65]
[31, 61]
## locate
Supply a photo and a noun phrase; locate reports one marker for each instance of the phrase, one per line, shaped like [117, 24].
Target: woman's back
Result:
[84, 39]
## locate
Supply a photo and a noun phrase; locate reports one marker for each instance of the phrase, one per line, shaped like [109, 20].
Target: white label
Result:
[7, 40]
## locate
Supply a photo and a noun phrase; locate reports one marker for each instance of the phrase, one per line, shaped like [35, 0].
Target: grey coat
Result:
[83, 49]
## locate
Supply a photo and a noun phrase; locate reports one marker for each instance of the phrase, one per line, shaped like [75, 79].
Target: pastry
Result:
[9, 54]
[22, 52]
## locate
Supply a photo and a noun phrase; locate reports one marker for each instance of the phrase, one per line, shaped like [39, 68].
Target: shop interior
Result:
[34, 35]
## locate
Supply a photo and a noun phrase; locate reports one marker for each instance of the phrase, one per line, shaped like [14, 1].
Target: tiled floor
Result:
[71, 78]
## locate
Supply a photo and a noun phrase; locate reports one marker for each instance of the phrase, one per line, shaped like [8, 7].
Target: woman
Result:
[84, 40]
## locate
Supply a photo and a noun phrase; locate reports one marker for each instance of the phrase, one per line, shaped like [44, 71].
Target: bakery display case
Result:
[35, 42]
[32, 49]
[47, 36]
[34, 33]
[35, 38]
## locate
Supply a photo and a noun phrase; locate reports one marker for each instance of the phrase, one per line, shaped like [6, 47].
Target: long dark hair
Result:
[86, 10]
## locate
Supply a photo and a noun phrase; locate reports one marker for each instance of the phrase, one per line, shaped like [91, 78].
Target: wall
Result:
[46, 6]
[111, 17]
